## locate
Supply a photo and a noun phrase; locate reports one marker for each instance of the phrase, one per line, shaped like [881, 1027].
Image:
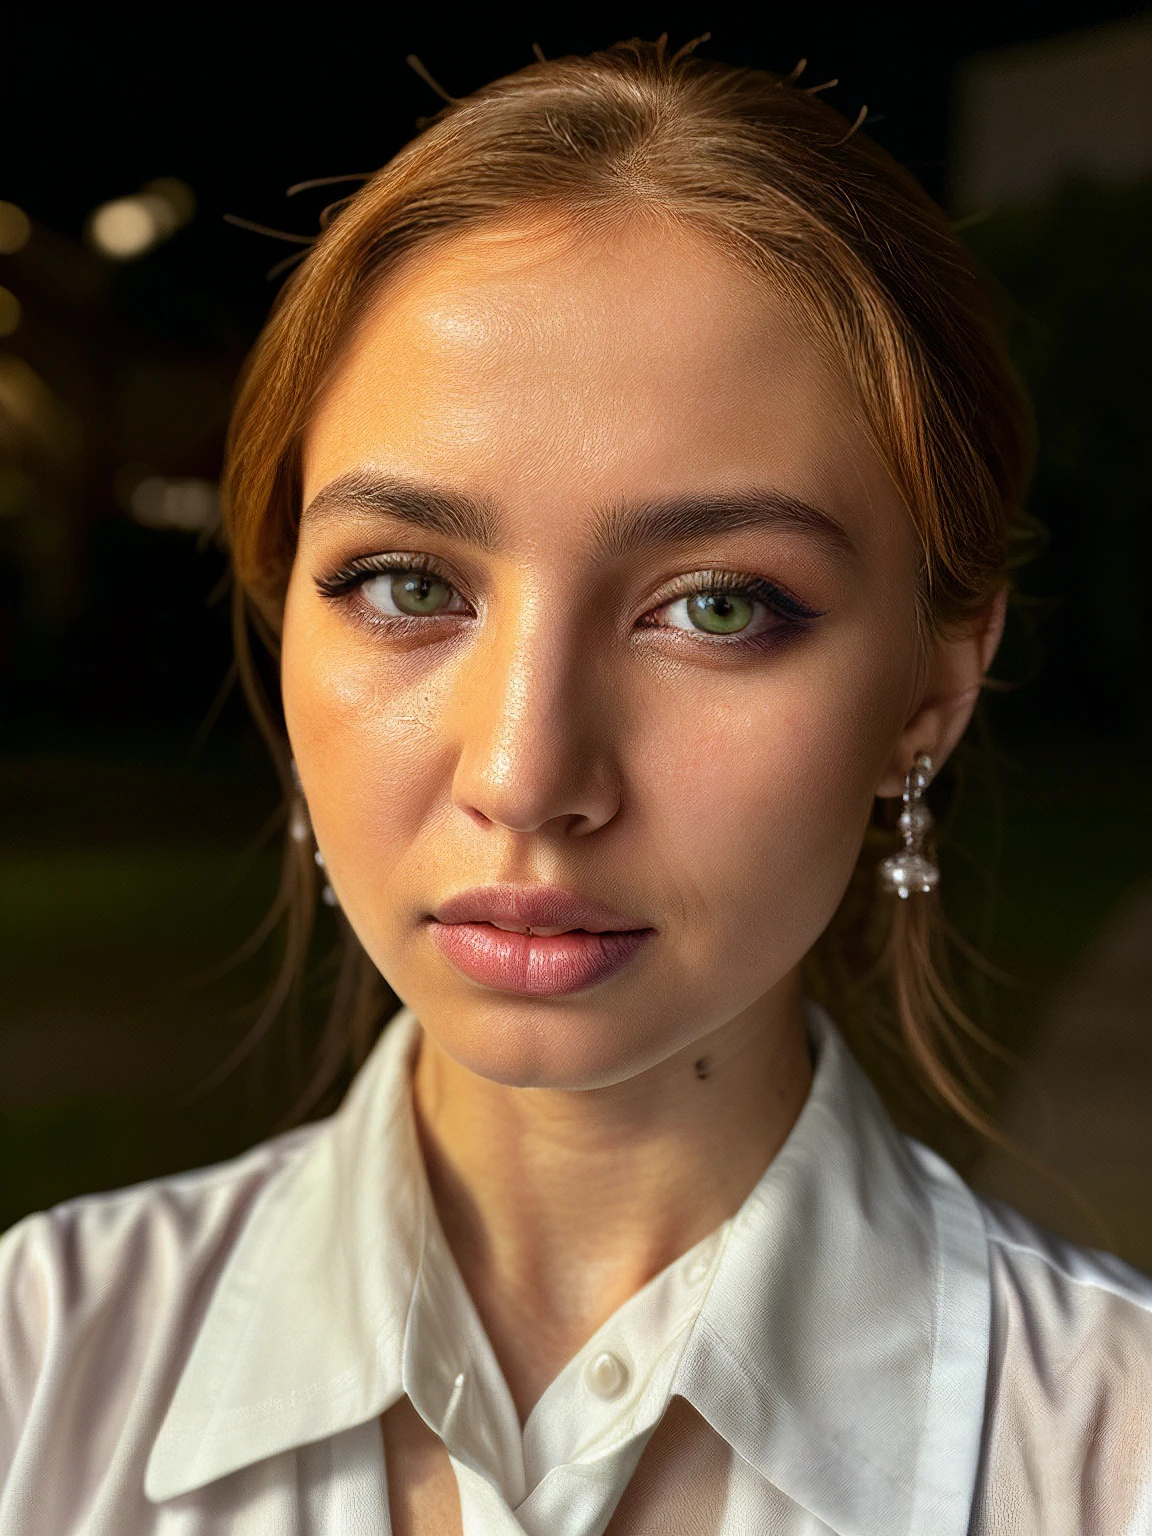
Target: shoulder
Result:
[1070, 1380]
[67, 1258]
[100, 1297]
[1025, 1255]
[1065, 1294]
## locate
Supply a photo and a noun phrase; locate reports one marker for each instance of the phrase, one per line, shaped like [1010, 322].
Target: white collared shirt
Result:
[872, 1350]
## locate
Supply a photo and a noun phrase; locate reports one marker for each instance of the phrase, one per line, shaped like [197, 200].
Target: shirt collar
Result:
[842, 1350]
[304, 1334]
[843, 1347]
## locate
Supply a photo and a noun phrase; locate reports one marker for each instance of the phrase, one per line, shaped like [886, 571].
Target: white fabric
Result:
[867, 1350]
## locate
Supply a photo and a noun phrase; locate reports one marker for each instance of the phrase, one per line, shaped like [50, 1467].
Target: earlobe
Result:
[952, 686]
[993, 630]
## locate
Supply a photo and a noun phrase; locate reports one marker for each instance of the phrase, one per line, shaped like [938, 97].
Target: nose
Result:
[534, 731]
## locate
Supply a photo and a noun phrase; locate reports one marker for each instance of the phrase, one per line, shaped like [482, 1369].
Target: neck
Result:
[558, 1205]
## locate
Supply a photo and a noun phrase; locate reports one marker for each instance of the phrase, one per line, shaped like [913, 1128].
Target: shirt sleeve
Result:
[25, 1319]
[100, 1302]
[1068, 1439]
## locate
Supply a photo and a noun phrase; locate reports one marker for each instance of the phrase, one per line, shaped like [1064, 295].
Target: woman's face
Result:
[602, 623]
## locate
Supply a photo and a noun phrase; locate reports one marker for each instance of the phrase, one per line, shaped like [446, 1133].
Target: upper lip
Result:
[533, 907]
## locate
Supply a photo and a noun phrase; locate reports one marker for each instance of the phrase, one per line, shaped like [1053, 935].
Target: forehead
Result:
[541, 361]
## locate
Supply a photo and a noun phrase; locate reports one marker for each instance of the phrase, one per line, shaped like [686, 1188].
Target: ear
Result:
[953, 676]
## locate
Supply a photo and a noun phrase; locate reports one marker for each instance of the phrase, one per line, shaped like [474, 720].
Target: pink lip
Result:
[596, 941]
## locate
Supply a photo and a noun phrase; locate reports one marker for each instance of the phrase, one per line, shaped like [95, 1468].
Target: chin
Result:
[564, 1043]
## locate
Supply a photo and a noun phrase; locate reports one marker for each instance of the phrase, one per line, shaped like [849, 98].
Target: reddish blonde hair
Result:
[784, 184]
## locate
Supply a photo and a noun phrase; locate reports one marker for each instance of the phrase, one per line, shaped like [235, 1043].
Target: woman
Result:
[628, 476]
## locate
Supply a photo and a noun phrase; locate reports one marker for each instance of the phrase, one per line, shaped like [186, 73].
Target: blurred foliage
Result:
[1075, 277]
[128, 876]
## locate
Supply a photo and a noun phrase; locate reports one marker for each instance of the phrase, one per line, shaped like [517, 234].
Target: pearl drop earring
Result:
[912, 870]
[327, 895]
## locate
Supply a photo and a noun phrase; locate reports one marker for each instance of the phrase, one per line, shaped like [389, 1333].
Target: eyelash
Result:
[348, 577]
[791, 615]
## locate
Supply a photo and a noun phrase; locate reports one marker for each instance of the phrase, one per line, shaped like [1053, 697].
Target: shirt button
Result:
[697, 1271]
[606, 1375]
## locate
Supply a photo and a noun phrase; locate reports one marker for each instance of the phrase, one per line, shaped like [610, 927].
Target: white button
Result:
[606, 1375]
[698, 1271]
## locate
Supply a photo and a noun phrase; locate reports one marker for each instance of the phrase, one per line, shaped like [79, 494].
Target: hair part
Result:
[790, 190]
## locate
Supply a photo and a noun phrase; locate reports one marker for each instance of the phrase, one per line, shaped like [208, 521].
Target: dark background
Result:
[138, 837]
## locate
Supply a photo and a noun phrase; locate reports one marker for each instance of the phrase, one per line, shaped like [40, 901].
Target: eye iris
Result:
[720, 613]
[416, 593]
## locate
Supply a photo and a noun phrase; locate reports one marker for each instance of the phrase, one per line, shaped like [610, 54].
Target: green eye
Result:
[410, 593]
[396, 589]
[417, 593]
[720, 613]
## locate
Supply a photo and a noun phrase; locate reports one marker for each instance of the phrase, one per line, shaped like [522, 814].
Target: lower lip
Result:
[533, 965]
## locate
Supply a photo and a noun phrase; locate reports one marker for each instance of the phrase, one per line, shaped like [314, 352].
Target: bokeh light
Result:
[10, 312]
[15, 229]
[129, 227]
[123, 228]
[190, 505]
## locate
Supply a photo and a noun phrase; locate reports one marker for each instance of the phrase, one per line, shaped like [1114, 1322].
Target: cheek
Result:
[363, 733]
[761, 791]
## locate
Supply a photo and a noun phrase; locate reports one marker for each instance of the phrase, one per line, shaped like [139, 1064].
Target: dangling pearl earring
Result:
[300, 831]
[911, 870]
[327, 895]
[299, 822]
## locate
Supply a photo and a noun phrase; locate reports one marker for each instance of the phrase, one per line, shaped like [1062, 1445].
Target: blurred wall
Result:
[1029, 119]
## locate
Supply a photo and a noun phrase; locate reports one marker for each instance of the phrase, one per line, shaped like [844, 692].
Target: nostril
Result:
[477, 815]
[549, 787]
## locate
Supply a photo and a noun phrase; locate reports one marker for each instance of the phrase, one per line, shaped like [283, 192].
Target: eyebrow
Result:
[623, 530]
[620, 530]
[429, 507]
